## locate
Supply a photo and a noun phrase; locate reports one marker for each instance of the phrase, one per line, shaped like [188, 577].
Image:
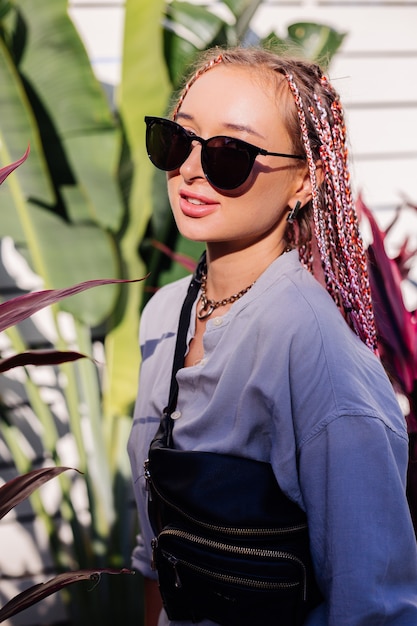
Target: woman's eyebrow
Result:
[228, 125]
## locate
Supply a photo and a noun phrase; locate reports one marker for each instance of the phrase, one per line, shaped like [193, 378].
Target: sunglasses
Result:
[226, 161]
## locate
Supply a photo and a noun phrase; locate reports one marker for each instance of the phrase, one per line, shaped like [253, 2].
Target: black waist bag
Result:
[229, 545]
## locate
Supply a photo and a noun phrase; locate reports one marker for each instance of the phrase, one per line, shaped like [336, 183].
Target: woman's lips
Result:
[193, 205]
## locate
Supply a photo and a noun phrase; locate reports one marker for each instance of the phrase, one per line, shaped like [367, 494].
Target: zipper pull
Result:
[173, 561]
[148, 479]
[154, 545]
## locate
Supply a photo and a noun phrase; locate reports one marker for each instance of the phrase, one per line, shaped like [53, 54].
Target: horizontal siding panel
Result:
[365, 3]
[102, 33]
[375, 81]
[384, 182]
[383, 132]
[368, 28]
[96, 4]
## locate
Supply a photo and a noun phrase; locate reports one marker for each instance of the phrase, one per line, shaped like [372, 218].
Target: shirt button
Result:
[218, 321]
[175, 415]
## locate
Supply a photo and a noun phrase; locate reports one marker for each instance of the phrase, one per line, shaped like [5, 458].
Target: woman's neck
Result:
[230, 271]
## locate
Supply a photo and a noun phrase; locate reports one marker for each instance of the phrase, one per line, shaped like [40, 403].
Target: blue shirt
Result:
[284, 379]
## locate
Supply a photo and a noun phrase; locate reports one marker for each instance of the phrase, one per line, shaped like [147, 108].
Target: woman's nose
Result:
[192, 168]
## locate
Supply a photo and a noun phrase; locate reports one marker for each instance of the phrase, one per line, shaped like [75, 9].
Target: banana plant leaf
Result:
[64, 205]
[243, 11]
[5, 6]
[80, 252]
[75, 103]
[317, 42]
[18, 128]
[144, 88]
[188, 29]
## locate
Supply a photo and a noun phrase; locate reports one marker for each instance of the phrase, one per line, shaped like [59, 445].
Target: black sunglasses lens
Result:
[226, 162]
[168, 145]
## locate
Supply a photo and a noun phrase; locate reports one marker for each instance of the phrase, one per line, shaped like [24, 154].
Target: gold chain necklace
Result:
[208, 305]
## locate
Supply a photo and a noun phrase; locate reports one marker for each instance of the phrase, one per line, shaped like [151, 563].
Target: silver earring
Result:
[294, 212]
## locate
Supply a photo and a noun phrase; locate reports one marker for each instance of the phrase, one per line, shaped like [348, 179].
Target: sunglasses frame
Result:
[251, 150]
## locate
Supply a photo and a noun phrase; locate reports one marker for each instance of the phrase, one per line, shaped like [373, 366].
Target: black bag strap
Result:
[181, 343]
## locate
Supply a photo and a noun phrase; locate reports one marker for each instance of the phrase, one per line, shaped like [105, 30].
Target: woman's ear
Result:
[303, 191]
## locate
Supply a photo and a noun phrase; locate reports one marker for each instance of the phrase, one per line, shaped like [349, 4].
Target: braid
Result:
[335, 222]
[318, 128]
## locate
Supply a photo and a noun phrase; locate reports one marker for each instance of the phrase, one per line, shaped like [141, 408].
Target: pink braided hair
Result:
[335, 222]
[319, 130]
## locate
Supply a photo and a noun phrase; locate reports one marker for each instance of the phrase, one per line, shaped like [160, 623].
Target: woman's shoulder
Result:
[292, 300]
[300, 317]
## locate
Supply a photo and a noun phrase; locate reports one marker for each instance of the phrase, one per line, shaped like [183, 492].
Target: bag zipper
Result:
[223, 529]
[233, 549]
[225, 578]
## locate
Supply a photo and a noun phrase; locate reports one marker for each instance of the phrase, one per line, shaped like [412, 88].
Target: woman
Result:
[280, 364]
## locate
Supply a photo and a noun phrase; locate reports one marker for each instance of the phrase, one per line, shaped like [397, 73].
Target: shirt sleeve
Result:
[352, 477]
[157, 342]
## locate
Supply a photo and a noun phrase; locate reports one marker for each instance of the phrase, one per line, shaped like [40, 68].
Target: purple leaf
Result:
[18, 309]
[40, 357]
[18, 489]
[397, 332]
[182, 259]
[5, 171]
[38, 592]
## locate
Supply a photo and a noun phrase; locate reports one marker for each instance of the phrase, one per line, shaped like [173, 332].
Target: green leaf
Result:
[18, 127]
[144, 90]
[82, 252]
[63, 253]
[188, 29]
[244, 12]
[317, 41]
[193, 21]
[49, 92]
[5, 6]
[58, 68]
[237, 7]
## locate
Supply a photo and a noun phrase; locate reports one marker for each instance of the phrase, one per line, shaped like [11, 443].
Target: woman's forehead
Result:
[228, 95]
[244, 91]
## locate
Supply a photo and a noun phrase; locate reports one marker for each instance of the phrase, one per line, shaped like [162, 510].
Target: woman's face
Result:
[230, 101]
